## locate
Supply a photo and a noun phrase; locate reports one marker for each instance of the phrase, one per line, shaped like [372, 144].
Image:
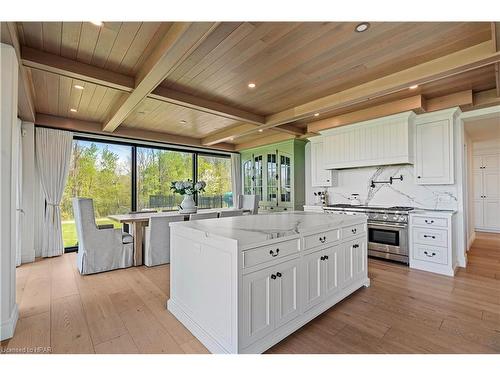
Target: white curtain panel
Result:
[53, 155]
[235, 178]
[17, 180]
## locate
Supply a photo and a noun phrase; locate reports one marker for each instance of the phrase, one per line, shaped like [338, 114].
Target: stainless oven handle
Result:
[382, 225]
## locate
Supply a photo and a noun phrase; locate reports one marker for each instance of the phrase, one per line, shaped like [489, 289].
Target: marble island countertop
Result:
[251, 230]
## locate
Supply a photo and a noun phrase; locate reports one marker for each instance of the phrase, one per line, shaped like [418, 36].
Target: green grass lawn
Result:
[69, 230]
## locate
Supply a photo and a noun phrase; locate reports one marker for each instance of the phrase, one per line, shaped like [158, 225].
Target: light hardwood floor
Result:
[403, 311]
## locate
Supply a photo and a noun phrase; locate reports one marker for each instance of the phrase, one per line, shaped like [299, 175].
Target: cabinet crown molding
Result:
[403, 116]
[445, 113]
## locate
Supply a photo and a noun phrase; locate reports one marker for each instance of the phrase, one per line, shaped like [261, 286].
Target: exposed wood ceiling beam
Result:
[51, 63]
[455, 63]
[484, 99]
[200, 104]
[290, 129]
[456, 99]
[125, 132]
[36, 59]
[179, 42]
[414, 103]
[226, 134]
[26, 106]
[267, 140]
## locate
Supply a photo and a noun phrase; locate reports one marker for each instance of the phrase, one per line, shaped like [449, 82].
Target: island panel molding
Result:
[233, 306]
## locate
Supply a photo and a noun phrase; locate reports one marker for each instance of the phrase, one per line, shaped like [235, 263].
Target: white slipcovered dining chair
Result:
[204, 215]
[157, 240]
[249, 202]
[230, 213]
[99, 250]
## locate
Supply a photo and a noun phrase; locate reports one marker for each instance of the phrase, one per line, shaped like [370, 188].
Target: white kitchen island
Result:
[242, 284]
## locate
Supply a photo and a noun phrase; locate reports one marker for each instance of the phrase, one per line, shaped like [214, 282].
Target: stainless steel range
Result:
[387, 229]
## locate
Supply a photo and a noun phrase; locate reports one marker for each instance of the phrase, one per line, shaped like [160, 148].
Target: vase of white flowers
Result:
[187, 189]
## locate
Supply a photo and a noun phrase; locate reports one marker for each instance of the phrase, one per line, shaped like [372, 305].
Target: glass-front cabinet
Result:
[275, 173]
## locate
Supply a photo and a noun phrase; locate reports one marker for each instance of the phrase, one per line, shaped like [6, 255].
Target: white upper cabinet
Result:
[383, 141]
[320, 176]
[434, 163]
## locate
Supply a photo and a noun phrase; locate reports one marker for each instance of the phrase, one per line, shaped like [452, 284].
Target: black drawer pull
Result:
[326, 257]
[278, 274]
[353, 230]
[429, 236]
[273, 276]
[322, 239]
[274, 254]
[355, 246]
[429, 255]
[429, 221]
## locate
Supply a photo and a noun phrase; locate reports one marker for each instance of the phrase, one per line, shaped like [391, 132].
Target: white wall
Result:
[8, 119]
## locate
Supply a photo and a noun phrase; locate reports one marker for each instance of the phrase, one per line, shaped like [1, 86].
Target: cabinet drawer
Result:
[322, 238]
[434, 254]
[435, 237]
[430, 221]
[269, 253]
[353, 231]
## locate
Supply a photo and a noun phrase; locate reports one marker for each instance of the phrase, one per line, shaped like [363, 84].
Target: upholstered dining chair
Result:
[157, 240]
[204, 215]
[230, 213]
[99, 250]
[249, 202]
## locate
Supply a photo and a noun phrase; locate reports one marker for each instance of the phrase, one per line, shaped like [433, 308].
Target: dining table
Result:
[137, 221]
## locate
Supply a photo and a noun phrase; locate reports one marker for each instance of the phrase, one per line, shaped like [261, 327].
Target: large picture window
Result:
[122, 177]
[216, 172]
[101, 171]
[156, 170]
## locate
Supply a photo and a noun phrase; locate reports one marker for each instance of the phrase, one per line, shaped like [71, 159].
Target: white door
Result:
[359, 257]
[313, 264]
[478, 213]
[286, 292]
[477, 163]
[433, 164]
[477, 185]
[257, 314]
[491, 214]
[347, 270]
[332, 270]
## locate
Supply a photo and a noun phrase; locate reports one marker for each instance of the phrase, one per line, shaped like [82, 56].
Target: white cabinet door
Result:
[477, 185]
[347, 275]
[434, 164]
[257, 314]
[478, 213]
[491, 214]
[313, 283]
[286, 292]
[359, 256]
[477, 163]
[319, 175]
[491, 162]
[333, 270]
[491, 184]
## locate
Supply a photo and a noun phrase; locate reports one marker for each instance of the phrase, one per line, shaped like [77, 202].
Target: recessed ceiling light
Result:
[97, 23]
[413, 87]
[261, 130]
[251, 85]
[73, 110]
[79, 87]
[363, 26]
[183, 122]
[316, 114]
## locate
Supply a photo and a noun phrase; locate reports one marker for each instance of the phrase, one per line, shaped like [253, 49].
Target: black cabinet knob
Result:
[322, 239]
[353, 230]
[326, 257]
[419, 177]
[355, 246]
[273, 276]
[274, 254]
[278, 274]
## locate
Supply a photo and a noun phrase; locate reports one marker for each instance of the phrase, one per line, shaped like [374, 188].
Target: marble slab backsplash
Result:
[400, 193]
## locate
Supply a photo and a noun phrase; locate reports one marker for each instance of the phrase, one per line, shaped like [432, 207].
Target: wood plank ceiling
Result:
[291, 63]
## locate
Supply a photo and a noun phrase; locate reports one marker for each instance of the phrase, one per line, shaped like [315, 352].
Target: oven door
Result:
[388, 238]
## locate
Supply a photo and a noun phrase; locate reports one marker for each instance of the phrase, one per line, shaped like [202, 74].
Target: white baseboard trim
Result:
[8, 326]
[471, 240]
